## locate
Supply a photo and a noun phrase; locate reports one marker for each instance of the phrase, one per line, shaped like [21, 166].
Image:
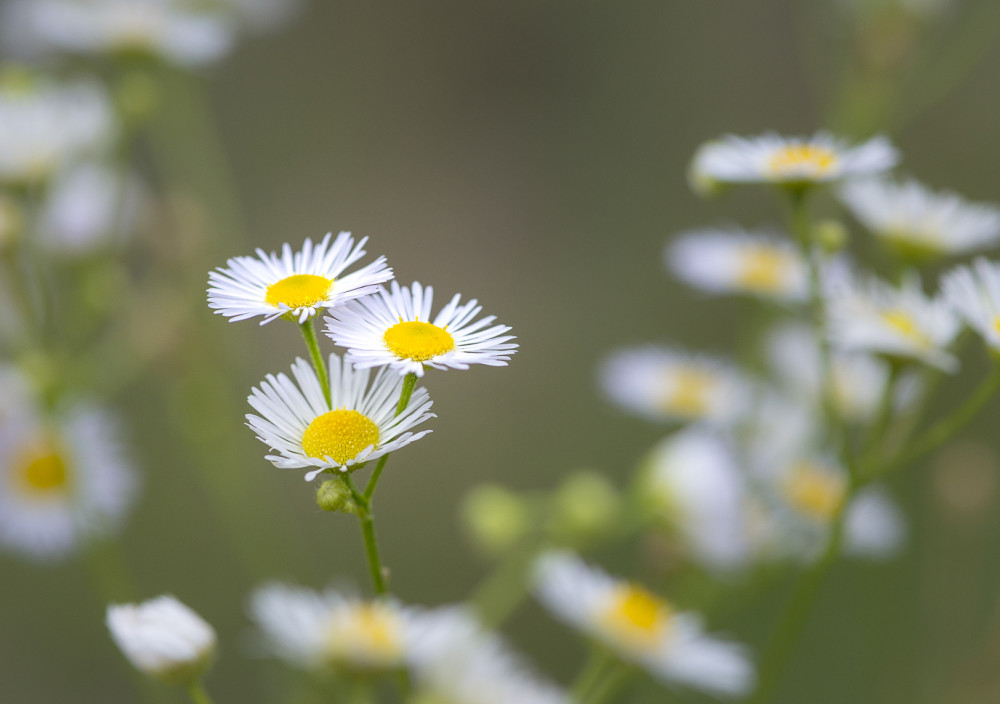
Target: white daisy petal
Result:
[973, 292]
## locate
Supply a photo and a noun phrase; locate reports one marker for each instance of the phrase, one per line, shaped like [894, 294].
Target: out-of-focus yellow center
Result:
[636, 614]
[339, 435]
[418, 341]
[815, 492]
[42, 470]
[762, 269]
[903, 323]
[299, 291]
[368, 632]
[996, 324]
[689, 392]
[802, 159]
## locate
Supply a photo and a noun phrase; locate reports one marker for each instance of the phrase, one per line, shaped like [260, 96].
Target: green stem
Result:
[609, 684]
[598, 663]
[409, 383]
[198, 693]
[367, 521]
[309, 335]
[499, 595]
[882, 418]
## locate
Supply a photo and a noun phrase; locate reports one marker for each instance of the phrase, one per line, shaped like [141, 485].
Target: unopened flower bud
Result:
[495, 517]
[335, 495]
[831, 236]
[583, 507]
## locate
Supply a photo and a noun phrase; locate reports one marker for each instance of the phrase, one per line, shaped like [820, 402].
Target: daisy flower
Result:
[899, 323]
[163, 638]
[295, 284]
[61, 483]
[874, 527]
[297, 423]
[792, 161]
[662, 384]
[313, 630]
[641, 627]
[973, 292]
[395, 328]
[734, 261]
[912, 219]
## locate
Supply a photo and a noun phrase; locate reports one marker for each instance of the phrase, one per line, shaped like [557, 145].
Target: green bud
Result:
[496, 518]
[584, 507]
[137, 96]
[17, 80]
[335, 495]
[831, 236]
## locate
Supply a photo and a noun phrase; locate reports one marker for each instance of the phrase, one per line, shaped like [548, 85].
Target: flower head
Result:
[295, 284]
[358, 426]
[397, 328]
[973, 292]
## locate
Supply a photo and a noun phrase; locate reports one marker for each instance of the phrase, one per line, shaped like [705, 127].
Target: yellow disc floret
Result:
[688, 392]
[418, 341]
[339, 435]
[763, 269]
[299, 291]
[904, 323]
[807, 160]
[815, 492]
[637, 616]
[368, 632]
[42, 470]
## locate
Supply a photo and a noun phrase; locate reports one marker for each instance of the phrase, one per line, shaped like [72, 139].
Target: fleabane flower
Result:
[973, 292]
[790, 161]
[454, 661]
[898, 323]
[163, 638]
[734, 261]
[918, 222]
[397, 328]
[641, 627]
[62, 482]
[662, 384]
[358, 426]
[314, 630]
[294, 284]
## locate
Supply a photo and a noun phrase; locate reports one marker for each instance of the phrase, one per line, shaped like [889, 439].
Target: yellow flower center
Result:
[795, 159]
[418, 341]
[339, 435]
[689, 392]
[368, 635]
[762, 269]
[636, 614]
[299, 291]
[815, 492]
[42, 470]
[903, 323]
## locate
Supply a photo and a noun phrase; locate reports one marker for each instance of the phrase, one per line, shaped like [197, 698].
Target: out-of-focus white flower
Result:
[313, 630]
[176, 31]
[296, 421]
[796, 161]
[874, 527]
[640, 627]
[296, 284]
[693, 482]
[393, 328]
[61, 482]
[45, 125]
[926, 9]
[260, 15]
[662, 384]
[454, 661]
[163, 638]
[974, 293]
[734, 261]
[898, 322]
[914, 220]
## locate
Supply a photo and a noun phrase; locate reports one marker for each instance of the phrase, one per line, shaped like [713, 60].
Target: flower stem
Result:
[309, 335]
[198, 693]
[409, 383]
[599, 662]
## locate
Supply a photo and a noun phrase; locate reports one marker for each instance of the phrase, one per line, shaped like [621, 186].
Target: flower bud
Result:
[584, 507]
[831, 236]
[495, 517]
[163, 638]
[335, 495]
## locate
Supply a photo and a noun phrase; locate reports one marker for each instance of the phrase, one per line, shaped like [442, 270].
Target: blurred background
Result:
[533, 155]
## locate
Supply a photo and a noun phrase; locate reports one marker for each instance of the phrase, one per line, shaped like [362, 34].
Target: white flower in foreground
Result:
[163, 638]
[663, 384]
[45, 126]
[734, 261]
[694, 484]
[797, 161]
[895, 322]
[61, 483]
[974, 294]
[313, 630]
[641, 627]
[912, 219]
[396, 328]
[296, 421]
[454, 661]
[296, 284]
[176, 31]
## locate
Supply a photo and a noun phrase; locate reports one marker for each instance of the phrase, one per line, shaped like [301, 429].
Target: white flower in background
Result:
[296, 284]
[45, 125]
[313, 630]
[163, 638]
[815, 488]
[176, 31]
[912, 219]
[901, 323]
[693, 482]
[61, 483]
[772, 158]
[874, 526]
[662, 384]
[396, 328]
[296, 421]
[974, 294]
[735, 261]
[260, 15]
[640, 627]
[453, 661]
[926, 9]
